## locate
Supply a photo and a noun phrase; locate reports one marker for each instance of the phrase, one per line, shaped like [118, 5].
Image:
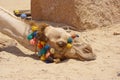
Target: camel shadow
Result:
[16, 51]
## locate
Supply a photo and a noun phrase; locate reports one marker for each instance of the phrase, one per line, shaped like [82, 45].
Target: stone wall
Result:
[82, 14]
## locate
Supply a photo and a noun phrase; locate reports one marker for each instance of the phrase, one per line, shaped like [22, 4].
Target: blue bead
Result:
[23, 16]
[69, 40]
[47, 61]
[47, 47]
[34, 34]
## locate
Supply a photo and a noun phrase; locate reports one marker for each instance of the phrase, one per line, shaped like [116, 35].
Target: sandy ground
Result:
[18, 63]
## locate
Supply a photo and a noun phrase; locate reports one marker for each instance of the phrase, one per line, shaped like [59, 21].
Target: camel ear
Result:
[43, 26]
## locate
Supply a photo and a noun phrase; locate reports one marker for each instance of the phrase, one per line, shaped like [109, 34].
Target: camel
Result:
[56, 38]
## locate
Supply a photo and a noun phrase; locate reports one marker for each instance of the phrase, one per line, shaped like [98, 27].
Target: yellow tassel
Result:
[17, 11]
[42, 43]
[34, 28]
[69, 45]
[42, 58]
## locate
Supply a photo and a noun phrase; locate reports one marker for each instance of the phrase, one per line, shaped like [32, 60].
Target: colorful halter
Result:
[45, 52]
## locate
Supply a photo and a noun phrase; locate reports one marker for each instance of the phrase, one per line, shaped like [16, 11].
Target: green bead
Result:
[30, 36]
[42, 51]
[69, 40]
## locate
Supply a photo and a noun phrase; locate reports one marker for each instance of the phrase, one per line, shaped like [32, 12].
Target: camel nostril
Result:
[61, 44]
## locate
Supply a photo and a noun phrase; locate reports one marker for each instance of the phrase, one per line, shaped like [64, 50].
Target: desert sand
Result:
[19, 63]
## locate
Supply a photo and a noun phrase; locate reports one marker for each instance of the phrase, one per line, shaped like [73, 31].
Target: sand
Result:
[19, 63]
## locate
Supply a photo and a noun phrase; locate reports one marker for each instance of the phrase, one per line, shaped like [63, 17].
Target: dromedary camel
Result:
[56, 38]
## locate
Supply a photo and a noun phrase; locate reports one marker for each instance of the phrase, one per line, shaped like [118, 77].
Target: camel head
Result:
[57, 38]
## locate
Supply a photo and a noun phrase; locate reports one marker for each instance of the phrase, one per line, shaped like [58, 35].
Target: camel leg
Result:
[5, 43]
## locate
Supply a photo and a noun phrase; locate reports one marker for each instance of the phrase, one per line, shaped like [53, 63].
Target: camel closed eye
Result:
[58, 37]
